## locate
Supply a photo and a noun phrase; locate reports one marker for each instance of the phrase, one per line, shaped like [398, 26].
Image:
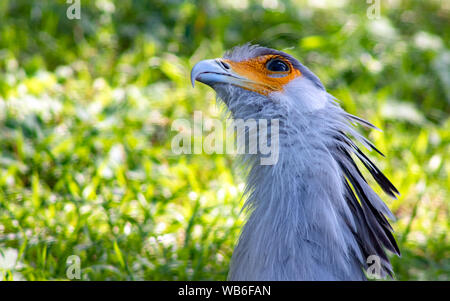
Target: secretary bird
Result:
[312, 214]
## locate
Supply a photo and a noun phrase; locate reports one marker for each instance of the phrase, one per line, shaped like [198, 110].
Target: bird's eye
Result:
[277, 65]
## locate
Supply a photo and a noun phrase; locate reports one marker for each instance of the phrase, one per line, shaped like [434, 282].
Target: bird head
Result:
[256, 81]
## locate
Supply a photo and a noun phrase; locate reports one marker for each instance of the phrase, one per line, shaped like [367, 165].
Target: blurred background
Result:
[86, 107]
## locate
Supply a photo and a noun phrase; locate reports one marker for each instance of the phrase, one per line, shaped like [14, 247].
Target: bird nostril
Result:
[224, 65]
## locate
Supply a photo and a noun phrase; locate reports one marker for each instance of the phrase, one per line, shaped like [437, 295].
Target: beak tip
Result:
[193, 76]
[207, 72]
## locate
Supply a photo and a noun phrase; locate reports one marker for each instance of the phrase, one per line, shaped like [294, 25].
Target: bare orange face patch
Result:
[258, 78]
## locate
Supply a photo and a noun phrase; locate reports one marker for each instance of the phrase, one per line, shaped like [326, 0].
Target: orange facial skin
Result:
[258, 78]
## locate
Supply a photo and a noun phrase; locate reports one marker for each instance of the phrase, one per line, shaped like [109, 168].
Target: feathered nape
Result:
[374, 233]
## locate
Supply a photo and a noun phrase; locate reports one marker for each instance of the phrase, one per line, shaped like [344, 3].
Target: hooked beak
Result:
[215, 71]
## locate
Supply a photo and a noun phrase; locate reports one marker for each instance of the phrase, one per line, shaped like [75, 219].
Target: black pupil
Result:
[277, 66]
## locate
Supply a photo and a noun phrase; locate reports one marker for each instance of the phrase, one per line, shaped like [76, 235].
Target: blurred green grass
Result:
[86, 108]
